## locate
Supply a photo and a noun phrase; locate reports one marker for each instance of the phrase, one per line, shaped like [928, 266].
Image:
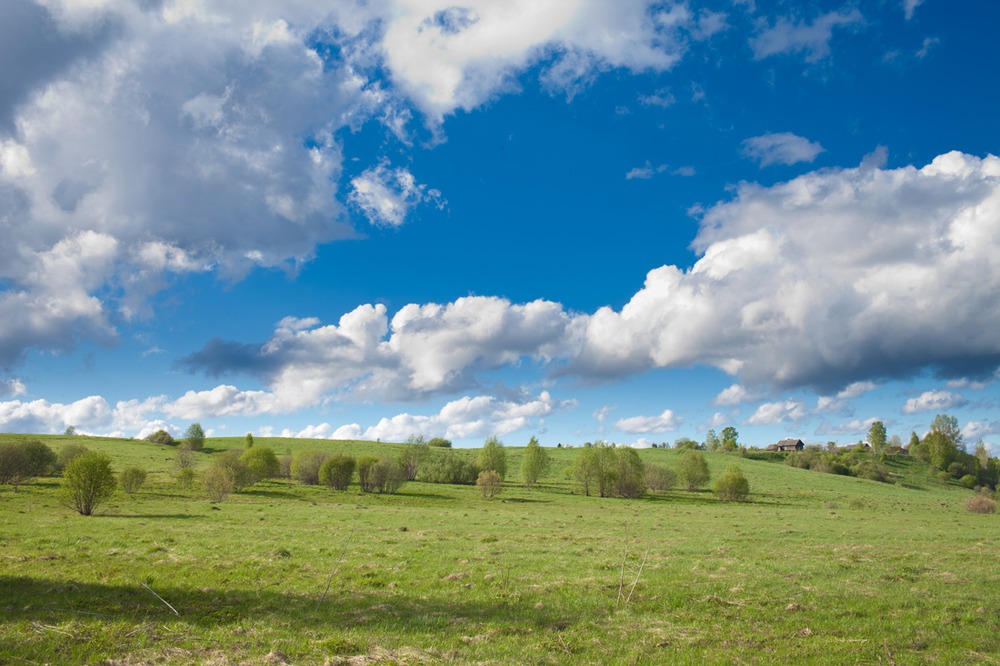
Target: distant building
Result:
[787, 445]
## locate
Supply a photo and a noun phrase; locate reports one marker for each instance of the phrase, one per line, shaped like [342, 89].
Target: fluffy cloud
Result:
[856, 426]
[88, 414]
[853, 275]
[781, 148]
[386, 195]
[771, 413]
[466, 417]
[974, 430]
[933, 401]
[734, 395]
[665, 422]
[812, 38]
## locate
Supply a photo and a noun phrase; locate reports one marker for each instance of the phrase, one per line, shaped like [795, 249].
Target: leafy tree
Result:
[220, 481]
[732, 486]
[161, 437]
[248, 441]
[489, 483]
[439, 442]
[411, 456]
[493, 457]
[23, 460]
[585, 470]
[947, 426]
[877, 438]
[535, 463]
[387, 476]
[730, 439]
[914, 441]
[693, 470]
[685, 443]
[305, 466]
[629, 477]
[337, 471]
[132, 479]
[712, 441]
[366, 475]
[194, 436]
[261, 462]
[67, 453]
[88, 482]
[660, 478]
[232, 460]
[70, 431]
[449, 467]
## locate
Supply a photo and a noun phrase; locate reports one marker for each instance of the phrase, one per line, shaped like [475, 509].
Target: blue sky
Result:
[631, 221]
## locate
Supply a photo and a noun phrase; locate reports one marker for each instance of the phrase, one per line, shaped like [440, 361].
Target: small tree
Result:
[337, 471]
[305, 466]
[629, 477]
[248, 441]
[161, 437]
[730, 439]
[449, 467]
[535, 463]
[366, 478]
[712, 441]
[261, 462]
[693, 470]
[493, 457]
[439, 442]
[660, 478]
[387, 476]
[195, 437]
[411, 456]
[489, 483]
[22, 460]
[67, 453]
[877, 439]
[732, 486]
[131, 479]
[88, 482]
[220, 481]
[232, 460]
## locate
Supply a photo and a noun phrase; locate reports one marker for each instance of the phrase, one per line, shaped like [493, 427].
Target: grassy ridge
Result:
[817, 569]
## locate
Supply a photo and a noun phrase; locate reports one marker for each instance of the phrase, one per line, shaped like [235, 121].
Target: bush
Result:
[241, 473]
[732, 486]
[161, 437]
[67, 453]
[131, 479]
[195, 437]
[969, 481]
[285, 466]
[493, 457]
[220, 481]
[305, 466]
[365, 476]
[439, 442]
[980, 504]
[449, 467]
[411, 456]
[693, 470]
[387, 476]
[22, 460]
[868, 469]
[629, 474]
[660, 478]
[261, 462]
[337, 471]
[185, 477]
[88, 482]
[535, 463]
[248, 441]
[489, 483]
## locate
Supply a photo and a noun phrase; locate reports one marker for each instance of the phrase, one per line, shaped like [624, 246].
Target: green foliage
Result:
[220, 482]
[23, 460]
[306, 464]
[535, 464]
[161, 437]
[629, 474]
[194, 436]
[692, 470]
[410, 457]
[366, 473]
[732, 486]
[969, 481]
[88, 482]
[67, 453]
[869, 469]
[132, 479]
[876, 438]
[685, 444]
[449, 467]
[248, 441]
[261, 463]
[185, 477]
[439, 442]
[232, 460]
[660, 478]
[337, 471]
[730, 439]
[712, 441]
[609, 471]
[387, 476]
[489, 483]
[493, 457]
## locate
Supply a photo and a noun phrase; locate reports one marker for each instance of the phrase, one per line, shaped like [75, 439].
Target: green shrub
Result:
[535, 463]
[131, 479]
[366, 477]
[194, 437]
[220, 482]
[22, 460]
[411, 456]
[629, 481]
[449, 467]
[869, 469]
[67, 453]
[306, 464]
[88, 482]
[969, 481]
[489, 483]
[337, 471]
[161, 437]
[185, 477]
[660, 478]
[387, 476]
[493, 457]
[693, 470]
[732, 486]
[261, 463]
[439, 442]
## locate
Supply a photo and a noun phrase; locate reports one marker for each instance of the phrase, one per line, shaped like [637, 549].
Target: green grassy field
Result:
[815, 569]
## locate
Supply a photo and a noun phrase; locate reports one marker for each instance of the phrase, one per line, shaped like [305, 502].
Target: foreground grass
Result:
[817, 569]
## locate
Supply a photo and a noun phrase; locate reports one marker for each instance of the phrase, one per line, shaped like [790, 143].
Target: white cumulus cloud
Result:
[781, 148]
[933, 400]
[666, 421]
[809, 37]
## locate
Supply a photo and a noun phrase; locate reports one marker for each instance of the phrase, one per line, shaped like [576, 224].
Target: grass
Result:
[815, 569]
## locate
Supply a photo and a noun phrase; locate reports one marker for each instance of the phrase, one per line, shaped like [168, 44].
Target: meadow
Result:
[815, 568]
